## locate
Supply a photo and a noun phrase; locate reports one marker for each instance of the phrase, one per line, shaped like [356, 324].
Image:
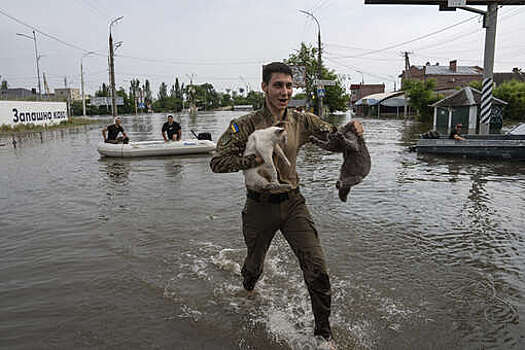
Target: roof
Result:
[445, 70]
[393, 99]
[467, 96]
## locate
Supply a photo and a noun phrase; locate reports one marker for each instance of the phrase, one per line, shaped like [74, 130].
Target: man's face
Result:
[278, 90]
[170, 120]
[117, 121]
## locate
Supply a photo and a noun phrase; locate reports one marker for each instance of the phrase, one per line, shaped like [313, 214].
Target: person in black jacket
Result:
[173, 129]
[455, 134]
[112, 132]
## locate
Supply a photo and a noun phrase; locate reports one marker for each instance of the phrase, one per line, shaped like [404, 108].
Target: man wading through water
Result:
[265, 212]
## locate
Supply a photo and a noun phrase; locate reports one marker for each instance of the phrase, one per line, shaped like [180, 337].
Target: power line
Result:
[415, 39]
[50, 36]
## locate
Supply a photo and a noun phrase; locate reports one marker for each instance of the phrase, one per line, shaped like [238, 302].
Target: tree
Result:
[103, 91]
[4, 85]
[512, 92]
[148, 99]
[133, 93]
[420, 96]
[336, 97]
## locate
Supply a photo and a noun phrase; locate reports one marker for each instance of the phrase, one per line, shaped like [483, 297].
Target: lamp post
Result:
[319, 98]
[112, 68]
[82, 82]
[37, 58]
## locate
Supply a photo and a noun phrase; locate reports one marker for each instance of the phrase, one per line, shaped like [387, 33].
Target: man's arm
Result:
[123, 132]
[458, 138]
[179, 134]
[104, 134]
[315, 126]
[228, 157]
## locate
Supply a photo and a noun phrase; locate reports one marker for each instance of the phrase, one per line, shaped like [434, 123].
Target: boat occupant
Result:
[455, 134]
[113, 130]
[173, 129]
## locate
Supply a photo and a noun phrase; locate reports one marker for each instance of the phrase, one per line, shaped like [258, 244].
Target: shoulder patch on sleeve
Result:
[234, 127]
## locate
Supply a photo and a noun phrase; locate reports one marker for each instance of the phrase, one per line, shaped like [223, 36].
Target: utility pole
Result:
[112, 69]
[319, 63]
[68, 99]
[490, 20]
[112, 77]
[82, 83]
[37, 66]
[37, 59]
[407, 64]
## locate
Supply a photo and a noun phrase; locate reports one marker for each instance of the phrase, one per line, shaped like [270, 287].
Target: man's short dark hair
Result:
[275, 67]
[170, 116]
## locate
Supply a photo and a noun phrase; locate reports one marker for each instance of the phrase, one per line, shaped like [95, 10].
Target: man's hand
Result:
[358, 127]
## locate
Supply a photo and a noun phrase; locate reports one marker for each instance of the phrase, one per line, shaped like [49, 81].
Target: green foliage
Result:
[476, 84]
[103, 91]
[336, 97]
[512, 92]
[4, 85]
[420, 96]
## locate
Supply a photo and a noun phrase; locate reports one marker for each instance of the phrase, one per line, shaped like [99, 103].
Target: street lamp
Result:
[112, 67]
[82, 81]
[37, 58]
[319, 98]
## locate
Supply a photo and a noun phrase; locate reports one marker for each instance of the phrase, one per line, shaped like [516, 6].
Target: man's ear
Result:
[264, 87]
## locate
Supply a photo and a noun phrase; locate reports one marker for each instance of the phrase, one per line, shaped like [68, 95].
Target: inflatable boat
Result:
[155, 148]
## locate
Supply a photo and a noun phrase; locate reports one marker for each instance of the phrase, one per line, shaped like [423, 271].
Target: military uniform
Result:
[264, 213]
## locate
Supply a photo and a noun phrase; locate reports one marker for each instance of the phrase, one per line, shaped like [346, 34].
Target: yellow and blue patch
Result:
[235, 128]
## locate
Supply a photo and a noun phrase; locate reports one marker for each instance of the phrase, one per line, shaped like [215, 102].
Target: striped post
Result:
[486, 100]
[490, 20]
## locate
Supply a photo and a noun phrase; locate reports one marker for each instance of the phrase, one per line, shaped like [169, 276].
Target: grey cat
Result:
[356, 159]
[264, 142]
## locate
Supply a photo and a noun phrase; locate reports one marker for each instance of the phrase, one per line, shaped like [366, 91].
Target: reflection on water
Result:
[145, 253]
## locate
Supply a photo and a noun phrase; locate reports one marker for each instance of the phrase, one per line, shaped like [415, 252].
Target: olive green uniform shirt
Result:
[299, 127]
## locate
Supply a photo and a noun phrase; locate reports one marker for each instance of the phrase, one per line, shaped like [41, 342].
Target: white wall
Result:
[15, 113]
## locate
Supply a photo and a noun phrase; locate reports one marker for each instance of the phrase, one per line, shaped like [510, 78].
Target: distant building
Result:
[516, 74]
[358, 91]
[448, 79]
[16, 93]
[385, 103]
[74, 93]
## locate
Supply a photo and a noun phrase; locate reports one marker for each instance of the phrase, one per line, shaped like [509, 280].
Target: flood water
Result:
[429, 253]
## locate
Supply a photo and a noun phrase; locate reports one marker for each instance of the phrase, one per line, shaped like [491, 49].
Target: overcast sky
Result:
[226, 42]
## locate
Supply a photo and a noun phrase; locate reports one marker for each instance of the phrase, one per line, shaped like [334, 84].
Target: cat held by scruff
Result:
[356, 158]
[264, 142]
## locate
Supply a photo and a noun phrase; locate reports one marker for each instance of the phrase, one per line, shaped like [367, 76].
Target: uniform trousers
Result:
[262, 216]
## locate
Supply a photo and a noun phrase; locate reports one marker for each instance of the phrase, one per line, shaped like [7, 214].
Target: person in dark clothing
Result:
[173, 129]
[455, 134]
[266, 212]
[112, 132]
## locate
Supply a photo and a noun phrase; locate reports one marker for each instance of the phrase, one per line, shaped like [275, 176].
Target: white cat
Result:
[264, 142]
